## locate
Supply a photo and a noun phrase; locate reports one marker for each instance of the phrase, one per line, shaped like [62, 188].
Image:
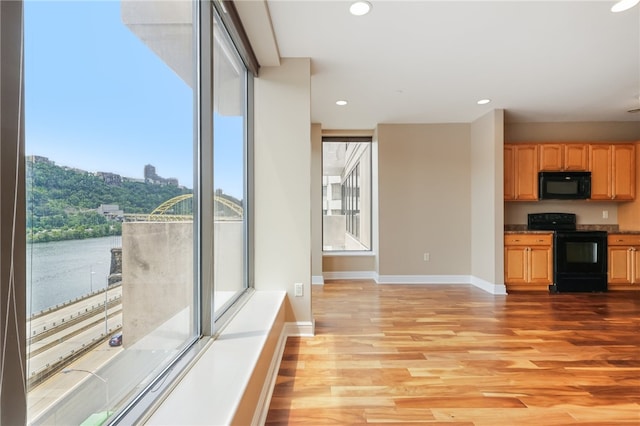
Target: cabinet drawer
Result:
[527, 239]
[623, 239]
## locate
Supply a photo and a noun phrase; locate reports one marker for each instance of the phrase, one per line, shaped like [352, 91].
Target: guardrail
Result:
[61, 329]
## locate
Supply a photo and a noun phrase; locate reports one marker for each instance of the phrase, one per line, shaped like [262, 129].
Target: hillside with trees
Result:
[62, 203]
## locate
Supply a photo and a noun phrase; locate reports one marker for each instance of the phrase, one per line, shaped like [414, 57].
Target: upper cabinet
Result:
[612, 166]
[613, 171]
[563, 157]
[520, 172]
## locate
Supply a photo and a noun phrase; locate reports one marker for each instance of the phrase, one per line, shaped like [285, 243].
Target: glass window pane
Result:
[109, 144]
[229, 153]
[346, 221]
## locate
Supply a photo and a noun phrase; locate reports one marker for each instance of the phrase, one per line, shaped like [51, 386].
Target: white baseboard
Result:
[317, 280]
[349, 275]
[423, 279]
[497, 289]
[302, 328]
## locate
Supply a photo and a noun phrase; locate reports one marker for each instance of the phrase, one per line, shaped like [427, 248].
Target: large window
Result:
[346, 194]
[118, 170]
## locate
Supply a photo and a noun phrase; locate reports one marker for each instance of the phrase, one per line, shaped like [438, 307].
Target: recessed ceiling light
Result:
[623, 5]
[360, 8]
[484, 101]
[341, 103]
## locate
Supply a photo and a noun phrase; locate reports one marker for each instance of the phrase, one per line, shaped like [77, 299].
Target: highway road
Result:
[103, 377]
[43, 323]
[89, 395]
[63, 333]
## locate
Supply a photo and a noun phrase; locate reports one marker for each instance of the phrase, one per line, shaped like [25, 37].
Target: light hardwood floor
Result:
[453, 354]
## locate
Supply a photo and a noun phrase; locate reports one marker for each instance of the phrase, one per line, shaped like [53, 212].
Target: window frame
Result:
[13, 403]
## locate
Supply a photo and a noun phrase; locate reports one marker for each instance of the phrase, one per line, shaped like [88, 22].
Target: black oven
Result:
[579, 257]
[580, 261]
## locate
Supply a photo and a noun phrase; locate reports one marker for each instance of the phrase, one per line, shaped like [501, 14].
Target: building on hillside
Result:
[150, 176]
[110, 178]
[111, 211]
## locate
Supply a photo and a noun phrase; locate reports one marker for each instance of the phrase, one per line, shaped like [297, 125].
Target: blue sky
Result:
[97, 98]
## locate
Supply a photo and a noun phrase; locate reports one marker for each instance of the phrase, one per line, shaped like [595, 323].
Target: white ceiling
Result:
[430, 61]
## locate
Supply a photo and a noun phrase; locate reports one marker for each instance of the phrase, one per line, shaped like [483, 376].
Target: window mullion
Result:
[204, 170]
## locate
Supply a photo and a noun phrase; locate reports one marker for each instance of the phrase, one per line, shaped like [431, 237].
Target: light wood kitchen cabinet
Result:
[528, 261]
[613, 171]
[624, 260]
[563, 157]
[521, 172]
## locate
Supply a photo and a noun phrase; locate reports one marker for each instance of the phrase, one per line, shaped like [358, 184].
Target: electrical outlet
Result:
[427, 257]
[605, 214]
[299, 290]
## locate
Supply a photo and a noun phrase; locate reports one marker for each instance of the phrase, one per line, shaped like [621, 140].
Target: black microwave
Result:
[564, 185]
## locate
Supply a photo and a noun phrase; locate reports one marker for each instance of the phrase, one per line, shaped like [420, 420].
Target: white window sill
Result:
[348, 254]
[214, 390]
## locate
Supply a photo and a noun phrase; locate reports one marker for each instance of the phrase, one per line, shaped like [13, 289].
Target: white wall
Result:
[316, 201]
[282, 182]
[487, 218]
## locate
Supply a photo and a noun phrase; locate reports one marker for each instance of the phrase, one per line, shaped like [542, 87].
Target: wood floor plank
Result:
[455, 355]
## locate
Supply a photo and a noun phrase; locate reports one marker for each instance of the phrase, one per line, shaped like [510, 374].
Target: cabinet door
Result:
[526, 166]
[623, 171]
[551, 157]
[515, 265]
[509, 173]
[576, 157]
[600, 167]
[635, 265]
[540, 266]
[619, 265]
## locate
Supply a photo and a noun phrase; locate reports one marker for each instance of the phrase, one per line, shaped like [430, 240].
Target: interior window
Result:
[346, 194]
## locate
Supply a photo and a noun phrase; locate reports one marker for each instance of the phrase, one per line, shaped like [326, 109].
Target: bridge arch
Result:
[179, 208]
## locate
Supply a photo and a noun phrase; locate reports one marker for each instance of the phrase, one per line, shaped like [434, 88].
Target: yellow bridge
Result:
[225, 208]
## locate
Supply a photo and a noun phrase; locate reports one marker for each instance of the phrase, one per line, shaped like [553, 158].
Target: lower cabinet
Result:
[624, 261]
[528, 261]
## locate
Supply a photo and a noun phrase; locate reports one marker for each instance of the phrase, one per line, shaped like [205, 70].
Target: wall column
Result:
[282, 179]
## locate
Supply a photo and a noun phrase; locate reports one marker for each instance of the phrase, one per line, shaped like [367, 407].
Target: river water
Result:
[63, 270]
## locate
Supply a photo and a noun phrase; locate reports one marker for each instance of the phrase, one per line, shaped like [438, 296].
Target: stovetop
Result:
[551, 221]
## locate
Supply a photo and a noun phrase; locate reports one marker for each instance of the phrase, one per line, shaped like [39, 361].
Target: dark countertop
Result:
[612, 229]
[525, 231]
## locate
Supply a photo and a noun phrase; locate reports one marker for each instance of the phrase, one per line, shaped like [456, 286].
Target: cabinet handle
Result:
[619, 241]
